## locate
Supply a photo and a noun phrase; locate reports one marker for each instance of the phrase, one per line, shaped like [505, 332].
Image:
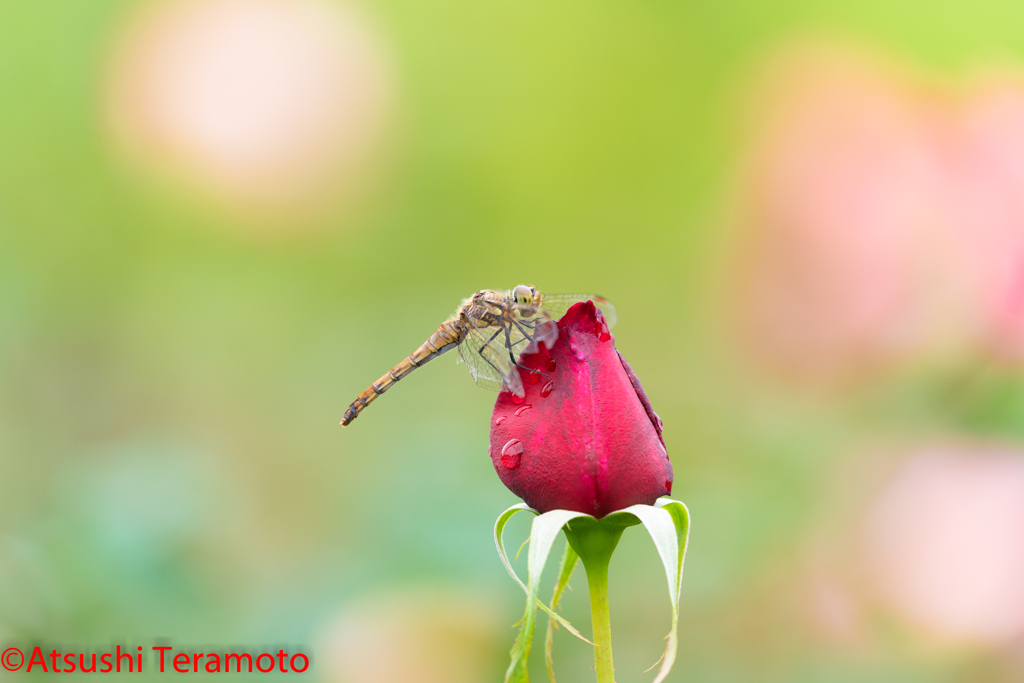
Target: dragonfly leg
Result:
[511, 356]
[520, 326]
[501, 327]
[533, 325]
[525, 338]
[488, 343]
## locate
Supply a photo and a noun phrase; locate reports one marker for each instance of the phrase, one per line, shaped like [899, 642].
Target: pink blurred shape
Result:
[263, 102]
[990, 209]
[839, 188]
[882, 220]
[943, 544]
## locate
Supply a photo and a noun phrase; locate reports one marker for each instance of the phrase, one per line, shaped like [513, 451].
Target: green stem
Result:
[595, 541]
[597, 579]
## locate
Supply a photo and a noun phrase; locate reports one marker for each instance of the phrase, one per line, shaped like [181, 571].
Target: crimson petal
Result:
[588, 441]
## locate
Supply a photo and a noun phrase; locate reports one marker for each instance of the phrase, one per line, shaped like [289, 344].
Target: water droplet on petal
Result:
[551, 365]
[517, 399]
[546, 391]
[500, 420]
[520, 411]
[668, 482]
[512, 453]
[534, 377]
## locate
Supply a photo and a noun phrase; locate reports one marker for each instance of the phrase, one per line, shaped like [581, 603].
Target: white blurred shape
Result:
[263, 101]
[944, 543]
[418, 637]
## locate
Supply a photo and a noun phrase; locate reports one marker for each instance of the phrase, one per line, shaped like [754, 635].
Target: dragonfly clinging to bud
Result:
[491, 329]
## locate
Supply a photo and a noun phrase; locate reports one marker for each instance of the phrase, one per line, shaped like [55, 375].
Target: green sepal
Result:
[499, 528]
[543, 533]
[667, 522]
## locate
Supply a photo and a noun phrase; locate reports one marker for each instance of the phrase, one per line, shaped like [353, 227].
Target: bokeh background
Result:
[221, 219]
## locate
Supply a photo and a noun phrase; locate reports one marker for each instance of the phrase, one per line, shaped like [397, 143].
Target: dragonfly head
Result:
[527, 298]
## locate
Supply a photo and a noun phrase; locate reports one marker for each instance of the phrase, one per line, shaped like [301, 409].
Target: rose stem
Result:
[597, 578]
[595, 541]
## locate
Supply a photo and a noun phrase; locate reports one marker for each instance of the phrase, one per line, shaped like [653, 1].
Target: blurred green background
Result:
[173, 369]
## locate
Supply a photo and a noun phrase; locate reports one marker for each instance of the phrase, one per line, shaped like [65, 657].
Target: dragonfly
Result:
[491, 330]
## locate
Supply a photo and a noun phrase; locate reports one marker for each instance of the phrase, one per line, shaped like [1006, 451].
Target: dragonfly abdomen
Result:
[445, 338]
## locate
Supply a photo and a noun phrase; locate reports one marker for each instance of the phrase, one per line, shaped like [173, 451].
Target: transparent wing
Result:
[555, 305]
[521, 333]
[487, 358]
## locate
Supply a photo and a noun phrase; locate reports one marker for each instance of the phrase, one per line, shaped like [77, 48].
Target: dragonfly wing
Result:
[555, 305]
[518, 341]
[487, 358]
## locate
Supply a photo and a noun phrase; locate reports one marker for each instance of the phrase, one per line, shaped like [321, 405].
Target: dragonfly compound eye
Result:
[523, 295]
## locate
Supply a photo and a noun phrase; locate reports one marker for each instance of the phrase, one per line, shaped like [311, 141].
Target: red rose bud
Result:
[586, 440]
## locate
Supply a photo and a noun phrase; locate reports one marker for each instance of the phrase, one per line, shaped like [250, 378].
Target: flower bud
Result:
[584, 437]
